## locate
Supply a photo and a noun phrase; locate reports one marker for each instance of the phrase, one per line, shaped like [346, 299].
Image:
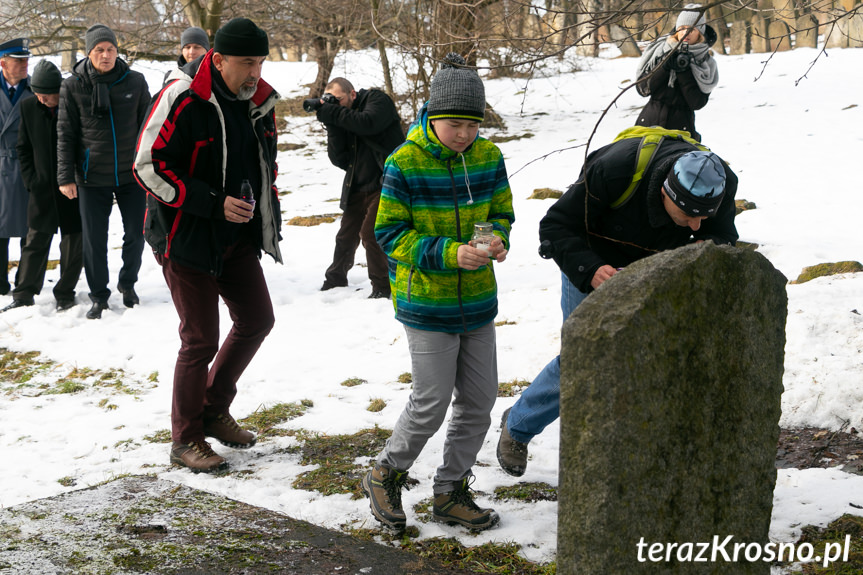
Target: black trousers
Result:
[34, 261]
[358, 224]
[4, 264]
[95, 204]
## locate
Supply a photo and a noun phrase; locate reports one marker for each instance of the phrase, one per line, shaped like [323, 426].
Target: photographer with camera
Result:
[678, 72]
[363, 128]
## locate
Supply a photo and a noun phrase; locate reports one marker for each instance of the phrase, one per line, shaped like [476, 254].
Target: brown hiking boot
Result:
[511, 454]
[224, 429]
[383, 486]
[197, 456]
[457, 508]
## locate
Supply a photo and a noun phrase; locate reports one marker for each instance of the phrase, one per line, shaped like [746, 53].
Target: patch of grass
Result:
[742, 206]
[67, 481]
[289, 146]
[835, 534]
[487, 558]
[526, 492]
[511, 388]
[544, 194]
[308, 221]
[504, 322]
[161, 436]
[406, 377]
[265, 419]
[52, 264]
[20, 367]
[353, 381]
[332, 478]
[326, 449]
[376, 405]
[502, 139]
[828, 269]
[335, 456]
[66, 386]
[106, 405]
[153, 377]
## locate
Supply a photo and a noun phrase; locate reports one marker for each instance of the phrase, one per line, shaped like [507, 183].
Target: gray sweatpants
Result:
[462, 366]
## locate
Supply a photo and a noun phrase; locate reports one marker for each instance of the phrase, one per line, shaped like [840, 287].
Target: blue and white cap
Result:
[696, 183]
[17, 48]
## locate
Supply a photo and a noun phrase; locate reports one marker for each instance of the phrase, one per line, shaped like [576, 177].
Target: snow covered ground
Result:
[794, 146]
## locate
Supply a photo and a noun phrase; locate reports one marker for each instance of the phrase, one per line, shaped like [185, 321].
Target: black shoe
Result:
[17, 303]
[377, 294]
[130, 298]
[95, 312]
[64, 304]
[328, 286]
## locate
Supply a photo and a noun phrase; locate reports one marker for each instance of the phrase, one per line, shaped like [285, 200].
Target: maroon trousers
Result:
[201, 389]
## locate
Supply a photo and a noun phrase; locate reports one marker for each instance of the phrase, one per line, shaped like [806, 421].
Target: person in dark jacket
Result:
[102, 106]
[211, 134]
[48, 208]
[15, 85]
[363, 128]
[686, 195]
[678, 72]
[194, 43]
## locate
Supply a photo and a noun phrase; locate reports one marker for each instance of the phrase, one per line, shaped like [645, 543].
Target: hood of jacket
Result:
[422, 134]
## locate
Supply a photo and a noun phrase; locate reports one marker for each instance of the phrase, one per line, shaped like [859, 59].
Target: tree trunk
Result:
[325, 59]
[382, 50]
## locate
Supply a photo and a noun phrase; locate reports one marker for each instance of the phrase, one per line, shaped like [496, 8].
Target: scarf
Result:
[100, 103]
[703, 65]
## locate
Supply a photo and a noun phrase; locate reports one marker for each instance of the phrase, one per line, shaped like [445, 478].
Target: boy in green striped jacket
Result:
[437, 185]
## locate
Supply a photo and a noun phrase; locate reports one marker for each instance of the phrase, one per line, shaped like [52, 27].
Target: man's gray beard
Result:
[246, 93]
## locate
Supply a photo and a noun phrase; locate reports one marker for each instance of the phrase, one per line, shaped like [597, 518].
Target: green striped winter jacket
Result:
[430, 200]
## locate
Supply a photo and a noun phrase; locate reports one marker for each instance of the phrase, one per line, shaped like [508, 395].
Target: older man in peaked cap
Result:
[15, 84]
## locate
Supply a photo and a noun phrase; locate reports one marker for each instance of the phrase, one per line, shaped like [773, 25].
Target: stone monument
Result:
[670, 403]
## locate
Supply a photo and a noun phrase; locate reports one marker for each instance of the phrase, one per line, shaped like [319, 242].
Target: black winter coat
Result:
[37, 152]
[182, 160]
[582, 232]
[673, 108]
[360, 138]
[98, 150]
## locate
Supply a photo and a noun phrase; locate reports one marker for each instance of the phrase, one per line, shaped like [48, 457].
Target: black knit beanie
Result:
[456, 92]
[241, 37]
[99, 33]
[46, 78]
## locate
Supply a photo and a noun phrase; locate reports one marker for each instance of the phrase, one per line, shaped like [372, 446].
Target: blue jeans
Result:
[539, 404]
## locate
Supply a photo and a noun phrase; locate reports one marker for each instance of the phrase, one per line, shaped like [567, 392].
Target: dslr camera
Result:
[312, 104]
[683, 58]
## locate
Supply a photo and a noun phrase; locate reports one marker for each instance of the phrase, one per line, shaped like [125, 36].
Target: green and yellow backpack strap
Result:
[651, 138]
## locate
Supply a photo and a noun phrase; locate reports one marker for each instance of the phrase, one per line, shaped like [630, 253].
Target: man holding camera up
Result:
[678, 72]
[363, 128]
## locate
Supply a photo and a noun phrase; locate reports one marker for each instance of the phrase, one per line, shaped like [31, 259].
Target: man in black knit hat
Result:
[48, 208]
[102, 106]
[212, 209]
